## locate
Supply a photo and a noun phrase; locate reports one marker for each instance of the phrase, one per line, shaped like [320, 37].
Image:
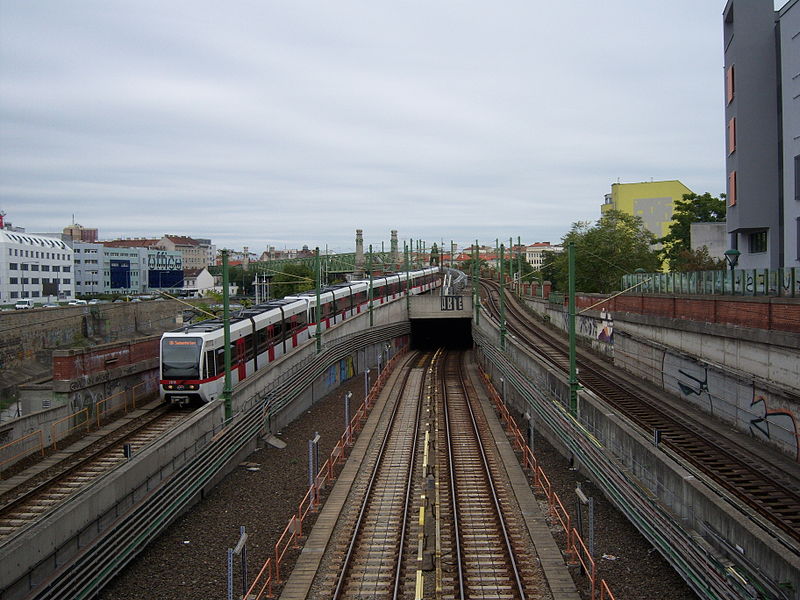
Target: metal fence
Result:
[740, 282]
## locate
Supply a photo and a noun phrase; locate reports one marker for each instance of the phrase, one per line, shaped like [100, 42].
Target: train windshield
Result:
[180, 358]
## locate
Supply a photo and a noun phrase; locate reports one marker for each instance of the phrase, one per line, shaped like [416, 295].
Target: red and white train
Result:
[192, 365]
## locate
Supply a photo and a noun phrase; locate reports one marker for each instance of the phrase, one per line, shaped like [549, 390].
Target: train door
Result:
[271, 342]
[240, 358]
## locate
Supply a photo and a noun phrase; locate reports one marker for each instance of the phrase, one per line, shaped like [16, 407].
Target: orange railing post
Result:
[23, 452]
[588, 564]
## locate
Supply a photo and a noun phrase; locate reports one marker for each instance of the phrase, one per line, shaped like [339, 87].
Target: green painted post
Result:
[496, 251]
[226, 327]
[476, 275]
[573, 372]
[519, 266]
[502, 304]
[318, 314]
[369, 267]
[408, 278]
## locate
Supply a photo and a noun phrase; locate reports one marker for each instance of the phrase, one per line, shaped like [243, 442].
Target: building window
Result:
[13, 266]
[729, 84]
[758, 242]
[13, 280]
[35, 294]
[45, 267]
[35, 280]
[34, 267]
[65, 280]
[732, 135]
[56, 268]
[732, 188]
[14, 295]
[24, 267]
[797, 177]
[66, 269]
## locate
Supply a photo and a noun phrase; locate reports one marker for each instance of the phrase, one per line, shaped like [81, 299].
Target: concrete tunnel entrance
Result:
[429, 334]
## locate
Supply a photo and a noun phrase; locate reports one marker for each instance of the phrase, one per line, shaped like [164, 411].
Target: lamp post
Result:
[732, 258]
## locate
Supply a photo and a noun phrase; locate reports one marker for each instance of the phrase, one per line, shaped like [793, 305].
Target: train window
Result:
[211, 365]
[249, 347]
[262, 341]
[220, 361]
[180, 358]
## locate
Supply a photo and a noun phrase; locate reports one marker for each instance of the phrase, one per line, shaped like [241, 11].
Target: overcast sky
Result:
[284, 123]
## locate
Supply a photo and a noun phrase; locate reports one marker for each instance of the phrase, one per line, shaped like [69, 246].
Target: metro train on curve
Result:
[192, 361]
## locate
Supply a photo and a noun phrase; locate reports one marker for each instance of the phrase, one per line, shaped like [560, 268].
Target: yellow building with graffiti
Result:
[653, 201]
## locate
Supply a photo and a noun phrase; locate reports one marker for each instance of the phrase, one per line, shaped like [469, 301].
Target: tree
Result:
[698, 260]
[291, 280]
[618, 243]
[677, 249]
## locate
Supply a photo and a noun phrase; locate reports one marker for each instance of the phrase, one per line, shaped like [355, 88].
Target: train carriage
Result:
[193, 358]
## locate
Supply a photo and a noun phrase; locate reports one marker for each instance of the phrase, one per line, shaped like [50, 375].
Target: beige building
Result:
[535, 253]
[194, 253]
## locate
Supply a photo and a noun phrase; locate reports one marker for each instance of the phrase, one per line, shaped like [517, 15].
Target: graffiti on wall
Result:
[692, 385]
[776, 426]
[346, 368]
[601, 329]
[771, 418]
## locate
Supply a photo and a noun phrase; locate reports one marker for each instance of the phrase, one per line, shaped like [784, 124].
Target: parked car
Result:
[77, 303]
[50, 306]
[23, 304]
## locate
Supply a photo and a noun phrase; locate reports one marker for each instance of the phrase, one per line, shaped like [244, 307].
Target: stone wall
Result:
[28, 337]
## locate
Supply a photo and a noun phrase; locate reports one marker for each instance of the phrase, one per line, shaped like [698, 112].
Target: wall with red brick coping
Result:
[778, 314]
[71, 364]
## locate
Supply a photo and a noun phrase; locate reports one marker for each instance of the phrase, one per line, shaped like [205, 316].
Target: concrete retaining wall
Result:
[679, 492]
[23, 333]
[22, 426]
[731, 390]
[60, 535]
[749, 378]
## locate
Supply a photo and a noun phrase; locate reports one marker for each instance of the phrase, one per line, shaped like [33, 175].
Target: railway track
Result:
[480, 532]
[471, 542]
[771, 493]
[374, 563]
[32, 500]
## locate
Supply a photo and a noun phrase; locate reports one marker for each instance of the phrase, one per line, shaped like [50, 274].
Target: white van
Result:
[23, 304]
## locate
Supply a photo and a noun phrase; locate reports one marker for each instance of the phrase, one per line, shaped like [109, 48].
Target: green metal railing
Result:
[740, 282]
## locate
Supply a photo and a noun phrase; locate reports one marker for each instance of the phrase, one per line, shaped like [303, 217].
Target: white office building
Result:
[34, 267]
[126, 271]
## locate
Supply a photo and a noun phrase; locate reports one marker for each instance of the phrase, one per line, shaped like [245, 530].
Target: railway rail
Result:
[374, 563]
[771, 493]
[490, 557]
[30, 501]
[432, 456]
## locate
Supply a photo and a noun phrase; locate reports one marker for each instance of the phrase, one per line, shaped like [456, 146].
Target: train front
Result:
[181, 369]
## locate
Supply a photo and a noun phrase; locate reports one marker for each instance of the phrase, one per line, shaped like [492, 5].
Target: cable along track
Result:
[766, 490]
[490, 559]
